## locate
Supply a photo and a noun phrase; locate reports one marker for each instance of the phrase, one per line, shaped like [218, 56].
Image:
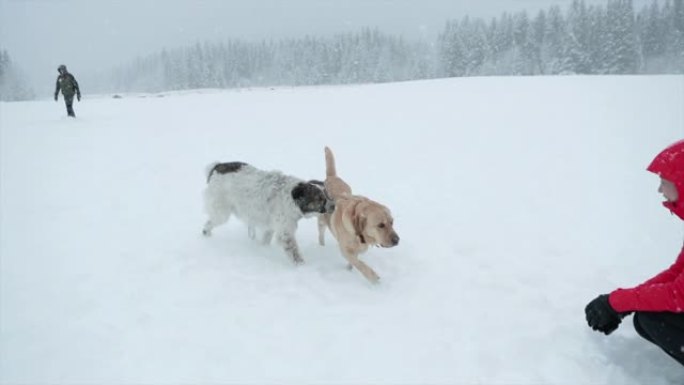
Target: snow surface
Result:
[517, 200]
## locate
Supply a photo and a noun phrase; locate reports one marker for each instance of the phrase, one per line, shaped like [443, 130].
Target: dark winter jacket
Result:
[665, 291]
[68, 84]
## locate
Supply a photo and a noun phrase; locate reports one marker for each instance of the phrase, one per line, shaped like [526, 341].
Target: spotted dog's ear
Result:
[299, 191]
[304, 191]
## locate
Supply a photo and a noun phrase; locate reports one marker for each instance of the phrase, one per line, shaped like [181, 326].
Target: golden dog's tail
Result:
[329, 163]
[335, 187]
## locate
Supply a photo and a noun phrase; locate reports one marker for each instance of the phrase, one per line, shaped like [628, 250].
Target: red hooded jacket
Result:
[665, 291]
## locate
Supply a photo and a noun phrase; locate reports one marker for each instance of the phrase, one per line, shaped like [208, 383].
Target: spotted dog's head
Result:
[311, 198]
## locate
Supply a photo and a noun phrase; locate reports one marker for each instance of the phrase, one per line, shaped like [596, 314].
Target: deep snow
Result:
[517, 200]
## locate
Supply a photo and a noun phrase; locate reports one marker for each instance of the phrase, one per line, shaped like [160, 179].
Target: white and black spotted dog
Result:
[267, 200]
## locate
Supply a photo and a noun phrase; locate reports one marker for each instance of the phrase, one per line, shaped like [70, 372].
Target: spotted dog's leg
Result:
[212, 223]
[206, 230]
[218, 214]
[267, 237]
[287, 240]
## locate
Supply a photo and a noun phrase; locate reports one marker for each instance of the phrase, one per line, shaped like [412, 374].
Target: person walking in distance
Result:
[69, 86]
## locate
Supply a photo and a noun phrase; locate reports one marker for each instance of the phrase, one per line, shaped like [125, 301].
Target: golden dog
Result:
[357, 221]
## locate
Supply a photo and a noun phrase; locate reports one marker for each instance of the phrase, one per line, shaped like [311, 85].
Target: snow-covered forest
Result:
[582, 39]
[13, 85]
[610, 39]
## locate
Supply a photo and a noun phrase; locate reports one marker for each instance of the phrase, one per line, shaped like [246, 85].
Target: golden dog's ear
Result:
[360, 220]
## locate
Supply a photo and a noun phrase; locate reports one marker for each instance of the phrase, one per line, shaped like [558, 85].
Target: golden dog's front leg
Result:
[354, 260]
[322, 225]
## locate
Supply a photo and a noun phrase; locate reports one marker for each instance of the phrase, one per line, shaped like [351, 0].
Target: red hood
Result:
[669, 164]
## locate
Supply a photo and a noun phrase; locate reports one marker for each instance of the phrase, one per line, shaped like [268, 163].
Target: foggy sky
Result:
[96, 35]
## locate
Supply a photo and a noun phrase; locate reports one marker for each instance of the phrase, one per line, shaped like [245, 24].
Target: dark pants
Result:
[663, 329]
[69, 101]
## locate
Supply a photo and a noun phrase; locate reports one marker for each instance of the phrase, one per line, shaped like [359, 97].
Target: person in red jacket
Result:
[658, 303]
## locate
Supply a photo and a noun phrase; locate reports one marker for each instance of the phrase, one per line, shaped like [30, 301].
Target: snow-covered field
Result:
[517, 200]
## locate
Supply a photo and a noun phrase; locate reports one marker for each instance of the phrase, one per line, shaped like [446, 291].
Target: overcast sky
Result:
[87, 35]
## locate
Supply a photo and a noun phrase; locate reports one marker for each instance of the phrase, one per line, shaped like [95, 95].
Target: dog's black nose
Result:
[395, 239]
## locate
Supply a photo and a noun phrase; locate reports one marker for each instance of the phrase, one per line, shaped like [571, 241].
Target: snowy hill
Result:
[517, 200]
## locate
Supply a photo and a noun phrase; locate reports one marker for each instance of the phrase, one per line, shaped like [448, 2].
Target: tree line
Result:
[596, 39]
[367, 56]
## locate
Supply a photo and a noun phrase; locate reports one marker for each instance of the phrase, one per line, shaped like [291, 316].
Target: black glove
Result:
[78, 96]
[601, 316]
[55, 97]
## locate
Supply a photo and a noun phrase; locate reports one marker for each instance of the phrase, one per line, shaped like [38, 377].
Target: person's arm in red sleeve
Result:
[666, 296]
